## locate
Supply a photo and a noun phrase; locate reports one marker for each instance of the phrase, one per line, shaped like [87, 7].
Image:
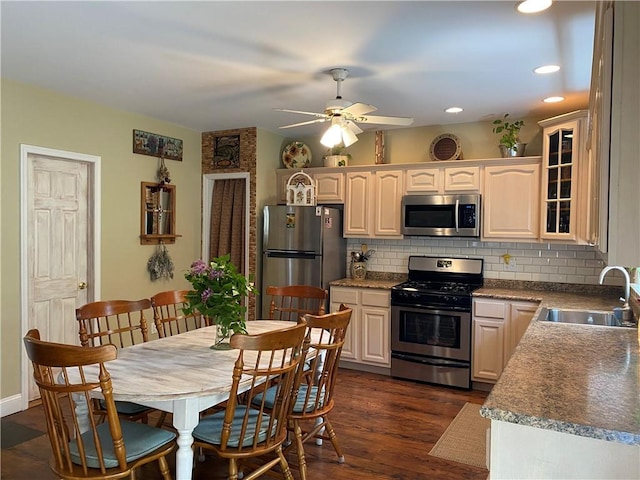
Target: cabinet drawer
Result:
[484, 308]
[344, 295]
[376, 298]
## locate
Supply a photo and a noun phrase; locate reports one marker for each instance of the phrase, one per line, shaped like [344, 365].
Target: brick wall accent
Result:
[248, 149]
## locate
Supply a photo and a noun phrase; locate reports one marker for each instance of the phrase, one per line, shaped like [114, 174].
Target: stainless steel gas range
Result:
[431, 320]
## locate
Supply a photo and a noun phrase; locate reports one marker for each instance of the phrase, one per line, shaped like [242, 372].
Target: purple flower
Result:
[205, 295]
[198, 267]
[214, 274]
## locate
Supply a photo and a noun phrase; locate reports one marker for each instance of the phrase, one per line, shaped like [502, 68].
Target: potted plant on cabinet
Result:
[337, 156]
[510, 144]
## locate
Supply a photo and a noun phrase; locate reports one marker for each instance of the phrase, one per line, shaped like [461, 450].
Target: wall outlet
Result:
[511, 266]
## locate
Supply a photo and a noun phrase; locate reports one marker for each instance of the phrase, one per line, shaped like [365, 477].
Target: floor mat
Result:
[464, 439]
[12, 434]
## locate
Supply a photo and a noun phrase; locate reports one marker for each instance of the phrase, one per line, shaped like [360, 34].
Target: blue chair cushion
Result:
[210, 428]
[300, 399]
[139, 440]
[127, 408]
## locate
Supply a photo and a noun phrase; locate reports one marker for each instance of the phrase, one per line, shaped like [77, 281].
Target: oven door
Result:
[436, 333]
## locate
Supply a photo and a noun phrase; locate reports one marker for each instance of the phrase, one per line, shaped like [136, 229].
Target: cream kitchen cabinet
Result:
[330, 184]
[511, 201]
[615, 122]
[443, 180]
[498, 326]
[372, 204]
[564, 207]
[330, 187]
[368, 338]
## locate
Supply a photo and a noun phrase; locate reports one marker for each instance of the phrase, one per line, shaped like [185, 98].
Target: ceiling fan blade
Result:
[315, 114]
[353, 127]
[358, 109]
[404, 121]
[317, 120]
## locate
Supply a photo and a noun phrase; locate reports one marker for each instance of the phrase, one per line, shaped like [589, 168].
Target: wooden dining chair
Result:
[84, 447]
[312, 402]
[251, 430]
[294, 301]
[121, 323]
[168, 314]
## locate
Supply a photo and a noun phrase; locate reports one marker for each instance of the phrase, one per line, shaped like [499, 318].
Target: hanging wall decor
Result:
[226, 151]
[146, 143]
[160, 263]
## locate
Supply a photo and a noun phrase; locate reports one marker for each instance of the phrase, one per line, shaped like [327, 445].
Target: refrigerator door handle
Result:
[290, 254]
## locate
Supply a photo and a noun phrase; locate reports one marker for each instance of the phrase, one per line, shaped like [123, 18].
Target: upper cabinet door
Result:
[511, 202]
[388, 193]
[563, 150]
[358, 204]
[424, 180]
[330, 187]
[461, 179]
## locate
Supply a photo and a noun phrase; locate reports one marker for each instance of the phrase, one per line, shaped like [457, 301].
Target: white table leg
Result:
[185, 419]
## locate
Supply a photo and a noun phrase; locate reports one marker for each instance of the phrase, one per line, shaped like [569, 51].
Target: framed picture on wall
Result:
[226, 151]
[155, 145]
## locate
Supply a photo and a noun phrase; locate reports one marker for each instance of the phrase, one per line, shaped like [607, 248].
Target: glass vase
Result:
[223, 337]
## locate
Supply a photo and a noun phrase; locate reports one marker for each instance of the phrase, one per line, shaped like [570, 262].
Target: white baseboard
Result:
[10, 405]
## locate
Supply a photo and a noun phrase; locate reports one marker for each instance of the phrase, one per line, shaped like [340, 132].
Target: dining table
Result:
[182, 375]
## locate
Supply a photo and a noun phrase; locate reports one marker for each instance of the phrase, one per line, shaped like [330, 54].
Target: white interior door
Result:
[59, 243]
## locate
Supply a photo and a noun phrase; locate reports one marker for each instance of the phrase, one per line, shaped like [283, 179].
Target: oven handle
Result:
[419, 308]
[438, 362]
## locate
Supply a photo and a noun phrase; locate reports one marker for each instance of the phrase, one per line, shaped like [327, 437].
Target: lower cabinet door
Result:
[488, 348]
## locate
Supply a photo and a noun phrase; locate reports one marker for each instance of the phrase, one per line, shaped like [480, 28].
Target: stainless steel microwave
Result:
[441, 215]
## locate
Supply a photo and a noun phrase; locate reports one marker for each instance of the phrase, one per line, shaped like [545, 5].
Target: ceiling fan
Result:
[344, 116]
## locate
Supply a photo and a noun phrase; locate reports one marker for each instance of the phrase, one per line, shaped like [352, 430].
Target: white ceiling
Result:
[220, 65]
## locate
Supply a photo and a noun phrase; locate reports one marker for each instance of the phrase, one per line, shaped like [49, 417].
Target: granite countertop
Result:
[380, 280]
[577, 379]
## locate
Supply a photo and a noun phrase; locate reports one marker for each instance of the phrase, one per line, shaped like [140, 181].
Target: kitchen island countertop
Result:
[578, 379]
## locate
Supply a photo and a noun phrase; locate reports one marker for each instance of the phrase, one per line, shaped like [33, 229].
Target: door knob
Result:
[82, 285]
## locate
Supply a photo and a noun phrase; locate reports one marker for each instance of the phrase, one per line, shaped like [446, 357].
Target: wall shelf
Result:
[157, 213]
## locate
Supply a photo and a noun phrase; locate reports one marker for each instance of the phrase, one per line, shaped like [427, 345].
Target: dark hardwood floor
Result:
[385, 426]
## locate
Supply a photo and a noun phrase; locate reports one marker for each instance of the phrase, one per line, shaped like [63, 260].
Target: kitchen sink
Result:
[583, 317]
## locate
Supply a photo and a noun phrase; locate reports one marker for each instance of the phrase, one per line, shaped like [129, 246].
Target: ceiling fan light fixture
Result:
[333, 136]
[348, 137]
[534, 6]
[547, 69]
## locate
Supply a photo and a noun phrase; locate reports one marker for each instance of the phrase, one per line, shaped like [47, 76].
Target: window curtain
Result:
[227, 220]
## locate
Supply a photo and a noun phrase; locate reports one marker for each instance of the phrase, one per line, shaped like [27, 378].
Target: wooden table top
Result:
[180, 366]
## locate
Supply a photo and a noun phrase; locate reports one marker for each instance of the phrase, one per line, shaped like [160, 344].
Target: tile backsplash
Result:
[540, 262]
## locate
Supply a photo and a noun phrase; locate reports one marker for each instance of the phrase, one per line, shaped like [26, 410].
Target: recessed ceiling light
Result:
[553, 99]
[453, 110]
[534, 6]
[547, 69]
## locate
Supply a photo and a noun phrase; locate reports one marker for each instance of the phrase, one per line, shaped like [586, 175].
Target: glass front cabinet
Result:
[563, 156]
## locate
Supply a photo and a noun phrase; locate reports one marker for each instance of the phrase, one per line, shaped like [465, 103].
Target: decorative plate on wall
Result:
[445, 147]
[296, 155]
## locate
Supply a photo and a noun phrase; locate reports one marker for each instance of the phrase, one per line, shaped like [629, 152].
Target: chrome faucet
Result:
[626, 309]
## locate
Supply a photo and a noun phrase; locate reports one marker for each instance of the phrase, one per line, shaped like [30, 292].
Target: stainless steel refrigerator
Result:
[301, 246]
